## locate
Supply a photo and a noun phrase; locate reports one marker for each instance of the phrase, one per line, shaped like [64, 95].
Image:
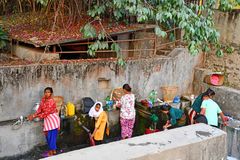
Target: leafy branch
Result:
[102, 41]
[195, 20]
[3, 38]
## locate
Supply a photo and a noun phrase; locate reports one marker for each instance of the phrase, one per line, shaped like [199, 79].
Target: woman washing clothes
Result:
[211, 110]
[127, 112]
[48, 112]
[101, 120]
[196, 106]
[176, 117]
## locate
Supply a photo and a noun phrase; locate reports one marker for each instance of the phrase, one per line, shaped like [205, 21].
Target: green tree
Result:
[3, 38]
[196, 21]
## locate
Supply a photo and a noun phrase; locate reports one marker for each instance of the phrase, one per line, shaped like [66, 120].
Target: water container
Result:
[152, 96]
[169, 92]
[34, 109]
[70, 109]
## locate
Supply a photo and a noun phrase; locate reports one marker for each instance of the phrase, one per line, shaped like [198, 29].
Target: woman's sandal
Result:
[45, 154]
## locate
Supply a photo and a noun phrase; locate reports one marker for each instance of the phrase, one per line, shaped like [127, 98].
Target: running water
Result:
[233, 138]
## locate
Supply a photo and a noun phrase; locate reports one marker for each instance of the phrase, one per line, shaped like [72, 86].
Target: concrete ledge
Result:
[193, 142]
[16, 142]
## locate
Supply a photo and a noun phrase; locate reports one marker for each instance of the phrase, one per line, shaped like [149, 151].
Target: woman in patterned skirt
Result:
[127, 112]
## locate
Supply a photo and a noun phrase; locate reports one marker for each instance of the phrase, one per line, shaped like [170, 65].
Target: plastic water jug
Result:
[70, 109]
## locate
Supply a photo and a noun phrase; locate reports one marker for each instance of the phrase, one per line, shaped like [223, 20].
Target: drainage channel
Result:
[233, 138]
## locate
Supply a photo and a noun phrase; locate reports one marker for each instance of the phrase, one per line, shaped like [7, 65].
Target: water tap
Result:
[21, 118]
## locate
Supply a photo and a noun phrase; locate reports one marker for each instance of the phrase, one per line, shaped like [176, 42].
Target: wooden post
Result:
[155, 45]
[54, 49]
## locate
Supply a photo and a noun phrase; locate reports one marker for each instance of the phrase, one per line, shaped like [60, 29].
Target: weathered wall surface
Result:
[227, 98]
[228, 24]
[192, 142]
[32, 54]
[19, 141]
[229, 65]
[22, 86]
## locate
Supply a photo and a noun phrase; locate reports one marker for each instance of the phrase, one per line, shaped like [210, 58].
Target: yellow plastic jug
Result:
[70, 109]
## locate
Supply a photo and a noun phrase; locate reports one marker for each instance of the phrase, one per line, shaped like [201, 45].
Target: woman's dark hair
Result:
[127, 87]
[98, 104]
[209, 92]
[199, 118]
[48, 88]
[165, 107]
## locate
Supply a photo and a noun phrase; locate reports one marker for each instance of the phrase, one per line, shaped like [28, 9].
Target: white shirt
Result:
[127, 110]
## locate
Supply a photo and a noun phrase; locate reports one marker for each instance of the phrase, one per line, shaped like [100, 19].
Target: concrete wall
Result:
[227, 98]
[193, 142]
[20, 141]
[22, 86]
[33, 54]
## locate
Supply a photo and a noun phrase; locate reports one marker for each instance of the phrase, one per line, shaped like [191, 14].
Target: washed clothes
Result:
[212, 111]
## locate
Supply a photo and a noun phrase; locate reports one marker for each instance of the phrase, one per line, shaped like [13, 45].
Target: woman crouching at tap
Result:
[101, 122]
[176, 117]
[48, 112]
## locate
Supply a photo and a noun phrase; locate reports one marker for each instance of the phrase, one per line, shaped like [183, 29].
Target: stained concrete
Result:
[193, 142]
[33, 54]
[228, 99]
[22, 86]
[13, 142]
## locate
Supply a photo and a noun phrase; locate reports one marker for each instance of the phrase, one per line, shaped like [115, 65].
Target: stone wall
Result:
[229, 65]
[227, 98]
[228, 24]
[22, 86]
[192, 142]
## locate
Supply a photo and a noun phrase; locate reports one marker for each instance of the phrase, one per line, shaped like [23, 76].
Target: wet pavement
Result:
[37, 152]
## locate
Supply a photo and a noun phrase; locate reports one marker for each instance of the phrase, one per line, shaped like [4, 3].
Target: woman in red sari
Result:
[48, 112]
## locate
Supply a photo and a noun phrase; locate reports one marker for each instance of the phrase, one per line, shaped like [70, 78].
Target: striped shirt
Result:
[52, 121]
[48, 111]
